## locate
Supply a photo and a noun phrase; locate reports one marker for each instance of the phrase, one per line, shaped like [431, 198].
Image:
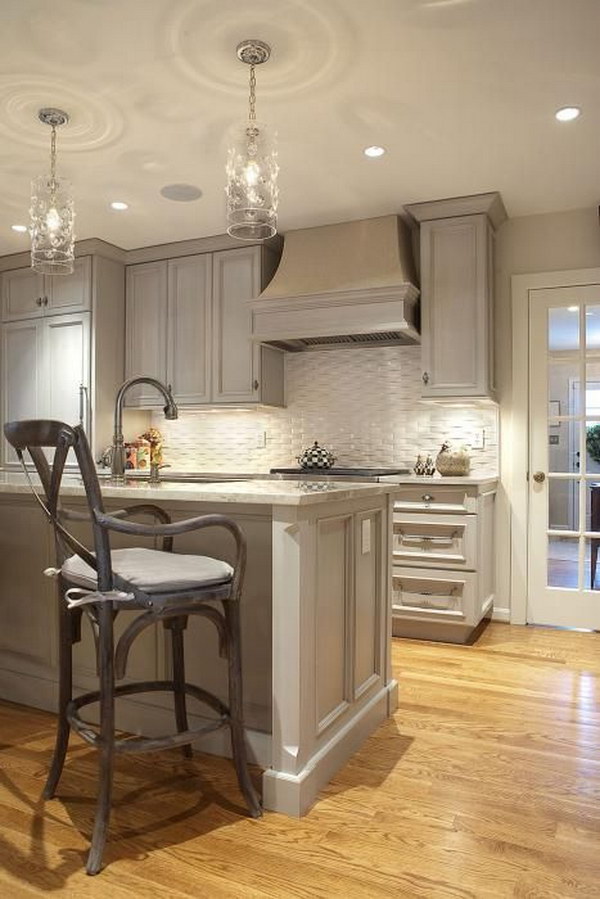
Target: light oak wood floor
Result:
[485, 783]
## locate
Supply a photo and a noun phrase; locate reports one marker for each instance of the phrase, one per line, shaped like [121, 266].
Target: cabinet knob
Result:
[38, 301]
[425, 377]
[427, 498]
[45, 301]
[255, 385]
[539, 477]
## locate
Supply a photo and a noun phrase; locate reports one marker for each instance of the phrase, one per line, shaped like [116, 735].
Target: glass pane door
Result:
[564, 479]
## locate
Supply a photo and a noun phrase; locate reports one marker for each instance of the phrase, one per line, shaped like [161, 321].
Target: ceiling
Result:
[462, 94]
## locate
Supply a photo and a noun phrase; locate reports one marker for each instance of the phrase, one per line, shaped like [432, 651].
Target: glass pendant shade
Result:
[52, 217]
[252, 192]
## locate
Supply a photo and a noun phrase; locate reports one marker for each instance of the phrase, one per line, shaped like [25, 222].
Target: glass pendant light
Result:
[52, 213]
[252, 192]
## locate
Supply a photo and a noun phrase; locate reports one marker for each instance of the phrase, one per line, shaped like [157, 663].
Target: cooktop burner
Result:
[342, 472]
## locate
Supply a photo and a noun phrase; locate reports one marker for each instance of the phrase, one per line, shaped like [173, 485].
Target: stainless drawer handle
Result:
[452, 592]
[425, 538]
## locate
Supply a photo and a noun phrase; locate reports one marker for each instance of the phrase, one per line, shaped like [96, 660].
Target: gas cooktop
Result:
[340, 472]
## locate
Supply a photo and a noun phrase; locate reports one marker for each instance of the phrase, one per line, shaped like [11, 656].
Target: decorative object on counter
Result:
[252, 169]
[429, 466]
[419, 468]
[51, 212]
[155, 439]
[316, 457]
[451, 462]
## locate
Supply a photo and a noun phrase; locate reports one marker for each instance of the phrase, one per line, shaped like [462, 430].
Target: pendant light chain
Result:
[252, 99]
[53, 158]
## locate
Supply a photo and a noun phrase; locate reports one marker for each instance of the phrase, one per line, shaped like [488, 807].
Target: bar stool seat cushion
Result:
[153, 571]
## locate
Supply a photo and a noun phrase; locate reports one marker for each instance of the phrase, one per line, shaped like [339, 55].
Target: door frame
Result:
[517, 439]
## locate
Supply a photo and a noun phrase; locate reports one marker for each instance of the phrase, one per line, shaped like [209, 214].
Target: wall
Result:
[530, 244]
[362, 403]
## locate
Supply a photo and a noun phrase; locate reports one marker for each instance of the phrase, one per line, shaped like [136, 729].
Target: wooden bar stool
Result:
[162, 585]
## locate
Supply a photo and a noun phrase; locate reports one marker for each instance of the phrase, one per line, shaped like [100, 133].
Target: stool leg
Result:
[177, 627]
[107, 737]
[68, 623]
[238, 740]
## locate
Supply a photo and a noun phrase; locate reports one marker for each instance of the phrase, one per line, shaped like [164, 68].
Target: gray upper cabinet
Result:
[26, 294]
[188, 323]
[457, 237]
[146, 329]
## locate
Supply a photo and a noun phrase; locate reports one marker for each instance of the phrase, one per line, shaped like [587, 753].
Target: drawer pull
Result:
[427, 498]
[453, 591]
[425, 538]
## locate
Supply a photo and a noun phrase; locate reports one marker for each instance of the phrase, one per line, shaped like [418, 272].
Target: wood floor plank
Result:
[485, 783]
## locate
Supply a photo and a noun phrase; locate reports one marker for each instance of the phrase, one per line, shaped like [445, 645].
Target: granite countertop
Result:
[265, 492]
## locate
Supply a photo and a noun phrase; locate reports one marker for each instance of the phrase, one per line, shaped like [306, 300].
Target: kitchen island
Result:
[316, 619]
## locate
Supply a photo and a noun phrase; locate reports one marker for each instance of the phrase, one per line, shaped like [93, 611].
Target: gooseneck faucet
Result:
[170, 410]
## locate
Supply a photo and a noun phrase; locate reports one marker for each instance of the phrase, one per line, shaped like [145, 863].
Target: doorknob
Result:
[539, 477]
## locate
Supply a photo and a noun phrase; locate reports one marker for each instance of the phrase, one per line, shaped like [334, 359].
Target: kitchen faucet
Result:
[170, 410]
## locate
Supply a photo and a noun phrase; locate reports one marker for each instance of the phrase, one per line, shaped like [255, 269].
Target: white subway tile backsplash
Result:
[363, 403]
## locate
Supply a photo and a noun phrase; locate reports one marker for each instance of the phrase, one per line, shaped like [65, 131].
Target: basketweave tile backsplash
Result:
[364, 404]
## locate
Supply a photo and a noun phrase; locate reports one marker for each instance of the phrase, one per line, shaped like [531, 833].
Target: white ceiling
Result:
[462, 93]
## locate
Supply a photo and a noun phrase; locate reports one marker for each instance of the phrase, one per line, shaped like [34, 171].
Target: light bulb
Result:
[52, 219]
[252, 173]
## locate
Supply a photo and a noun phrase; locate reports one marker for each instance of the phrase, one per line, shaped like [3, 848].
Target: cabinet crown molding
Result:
[489, 204]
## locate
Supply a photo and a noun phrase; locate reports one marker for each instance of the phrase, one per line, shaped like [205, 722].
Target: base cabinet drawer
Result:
[435, 497]
[442, 595]
[436, 540]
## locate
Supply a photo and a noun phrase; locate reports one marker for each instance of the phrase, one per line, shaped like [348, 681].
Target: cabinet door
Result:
[236, 280]
[188, 355]
[69, 293]
[146, 330]
[455, 306]
[22, 376]
[22, 294]
[67, 368]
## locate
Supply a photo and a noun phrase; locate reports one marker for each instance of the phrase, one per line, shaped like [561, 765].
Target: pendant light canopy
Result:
[52, 213]
[252, 192]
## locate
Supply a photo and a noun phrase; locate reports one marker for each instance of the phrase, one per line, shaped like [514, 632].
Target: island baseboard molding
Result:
[293, 794]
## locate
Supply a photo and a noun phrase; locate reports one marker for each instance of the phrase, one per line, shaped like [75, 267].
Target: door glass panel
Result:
[563, 328]
[591, 565]
[592, 327]
[592, 388]
[564, 386]
[563, 562]
[563, 446]
[563, 504]
[592, 447]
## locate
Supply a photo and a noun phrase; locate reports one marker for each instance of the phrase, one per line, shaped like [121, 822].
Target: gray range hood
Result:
[350, 284]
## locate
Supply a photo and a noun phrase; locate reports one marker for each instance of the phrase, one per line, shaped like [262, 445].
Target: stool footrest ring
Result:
[148, 744]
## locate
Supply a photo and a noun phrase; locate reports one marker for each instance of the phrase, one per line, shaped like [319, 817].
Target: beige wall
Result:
[530, 244]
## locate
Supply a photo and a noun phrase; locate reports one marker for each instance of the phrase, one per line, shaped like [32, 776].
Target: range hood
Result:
[350, 284]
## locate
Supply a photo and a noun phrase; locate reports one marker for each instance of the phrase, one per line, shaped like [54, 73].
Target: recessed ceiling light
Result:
[119, 205]
[567, 113]
[572, 308]
[374, 151]
[181, 193]
[20, 228]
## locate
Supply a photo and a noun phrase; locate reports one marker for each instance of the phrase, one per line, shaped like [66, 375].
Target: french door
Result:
[564, 464]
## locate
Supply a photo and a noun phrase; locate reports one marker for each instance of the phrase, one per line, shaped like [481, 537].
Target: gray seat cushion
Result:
[153, 571]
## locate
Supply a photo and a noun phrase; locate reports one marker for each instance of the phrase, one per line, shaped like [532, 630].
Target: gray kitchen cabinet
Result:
[68, 366]
[46, 370]
[443, 559]
[457, 247]
[188, 324]
[146, 329]
[27, 294]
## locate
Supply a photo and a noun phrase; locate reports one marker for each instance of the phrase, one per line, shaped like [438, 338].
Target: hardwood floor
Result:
[485, 784]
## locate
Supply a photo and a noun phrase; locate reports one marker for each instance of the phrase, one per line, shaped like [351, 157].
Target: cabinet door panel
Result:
[146, 327]
[66, 350]
[21, 374]
[70, 293]
[188, 356]
[22, 292]
[236, 280]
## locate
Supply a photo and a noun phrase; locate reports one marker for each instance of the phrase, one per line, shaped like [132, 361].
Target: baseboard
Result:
[293, 794]
[135, 717]
[501, 614]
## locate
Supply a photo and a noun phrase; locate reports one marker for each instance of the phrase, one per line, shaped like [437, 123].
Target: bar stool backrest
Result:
[36, 435]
